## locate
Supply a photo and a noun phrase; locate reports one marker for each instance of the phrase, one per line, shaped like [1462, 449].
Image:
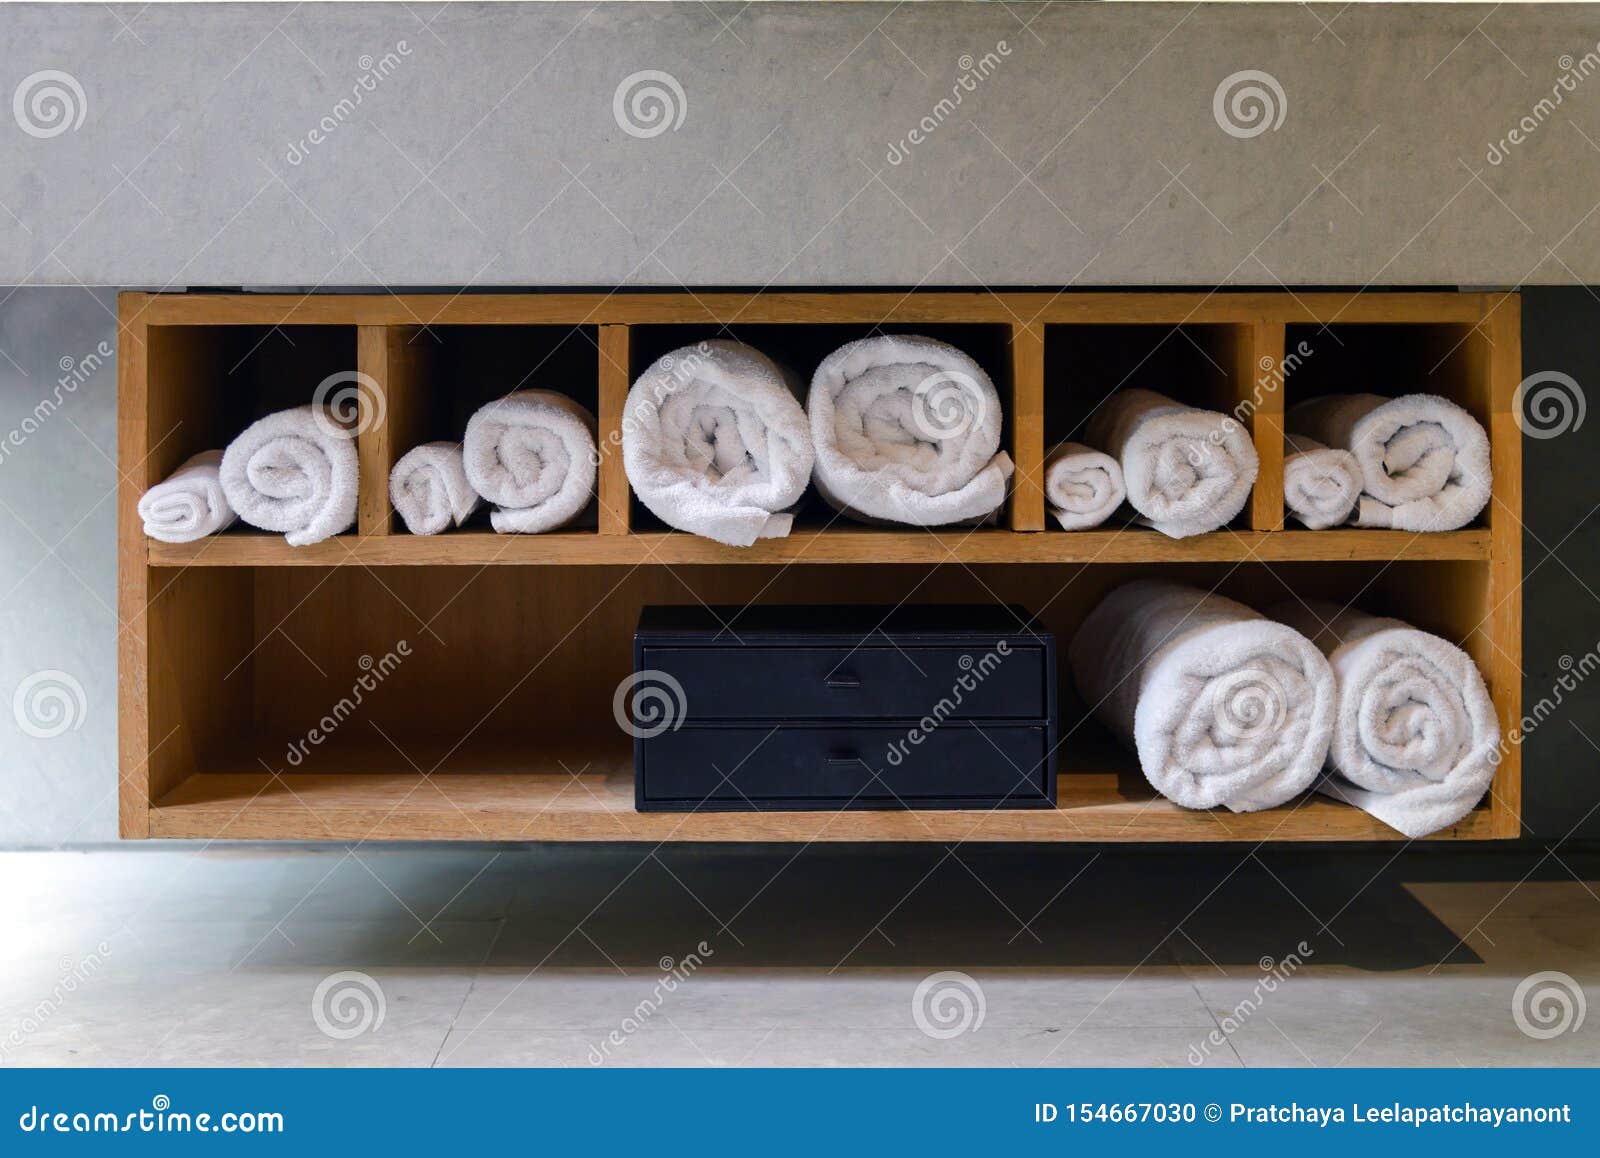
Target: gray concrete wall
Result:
[1088, 150]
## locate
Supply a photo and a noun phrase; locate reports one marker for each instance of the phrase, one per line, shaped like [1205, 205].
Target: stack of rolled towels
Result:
[1226, 707]
[1414, 463]
[894, 429]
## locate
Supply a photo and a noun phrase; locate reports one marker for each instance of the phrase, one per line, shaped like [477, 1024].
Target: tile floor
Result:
[627, 955]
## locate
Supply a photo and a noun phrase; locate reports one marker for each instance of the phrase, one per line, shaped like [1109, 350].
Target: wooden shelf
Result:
[240, 636]
[597, 804]
[472, 548]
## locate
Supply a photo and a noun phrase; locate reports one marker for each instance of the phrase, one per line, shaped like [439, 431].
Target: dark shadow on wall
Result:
[1561, 572]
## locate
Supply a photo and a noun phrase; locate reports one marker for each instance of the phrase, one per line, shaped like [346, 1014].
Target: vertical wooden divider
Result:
[133, 571]
[1027, 426]
[1259, 388]
[614, 382]
[395, 358]
[1499, 336]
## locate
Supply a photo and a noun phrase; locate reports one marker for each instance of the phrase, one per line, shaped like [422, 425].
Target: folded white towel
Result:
[1416, 740]
[295, 472]
[1187, 471]
[714, 441]
[429, 487]
[532, 454]
[1222, 705]
[907, 430]
[1320, 484]
[1424, 460]
[188, 504]
[1083, 485]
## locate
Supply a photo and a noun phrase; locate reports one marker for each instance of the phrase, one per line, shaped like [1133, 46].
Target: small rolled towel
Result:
[1083, 485]
[294, 472]
[1416, 740]
[1187, 471]
[907, 430]
[1223, 706]
[429, 487]
[532, 454]
[1320, 484]
[1424, 460]
[188, 504]
[714, 441]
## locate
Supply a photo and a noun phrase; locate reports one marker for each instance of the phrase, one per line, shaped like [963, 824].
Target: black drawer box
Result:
[826, 708]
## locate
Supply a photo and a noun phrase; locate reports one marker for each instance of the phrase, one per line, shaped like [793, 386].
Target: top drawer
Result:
[1000, 682]
[857, 663]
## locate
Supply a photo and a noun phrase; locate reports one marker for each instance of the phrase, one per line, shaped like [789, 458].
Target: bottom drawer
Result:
[827, 768]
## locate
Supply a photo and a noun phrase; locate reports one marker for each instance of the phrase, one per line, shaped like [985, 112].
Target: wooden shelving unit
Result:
[497, 723]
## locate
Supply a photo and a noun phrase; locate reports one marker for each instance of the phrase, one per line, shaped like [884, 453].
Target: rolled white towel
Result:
[294, 472]
[1187, 471]
[1083, 485]
[188, 504]
[1223, 706]
[714, 441]
[1320, 484]
[532, 454]
[907, 430]
[429, 487]
[1424, 460]
[1416, 740]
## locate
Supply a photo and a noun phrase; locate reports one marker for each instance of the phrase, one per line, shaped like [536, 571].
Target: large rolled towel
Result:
[1416, 740]
[1320, 484]
[1187, 471]
[532, 454]
[294, 472]
[188, 504]
[1424, 460]
[714, 441]
[907, 430]
[429, 487]
[1083, 485]
[1223, 706]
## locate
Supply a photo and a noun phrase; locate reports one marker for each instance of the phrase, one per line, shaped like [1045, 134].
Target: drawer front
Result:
[791, 767]
[979, 682]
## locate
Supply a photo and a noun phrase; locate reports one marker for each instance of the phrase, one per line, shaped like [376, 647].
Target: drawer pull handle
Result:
[843, 682]
[845, 761]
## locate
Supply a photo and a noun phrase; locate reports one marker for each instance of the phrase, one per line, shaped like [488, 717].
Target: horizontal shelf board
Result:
[732, 309]
[598, 805]
[480, 548]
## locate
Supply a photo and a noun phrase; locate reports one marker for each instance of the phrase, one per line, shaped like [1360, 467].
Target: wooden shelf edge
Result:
[536, 807]
[482, 548]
